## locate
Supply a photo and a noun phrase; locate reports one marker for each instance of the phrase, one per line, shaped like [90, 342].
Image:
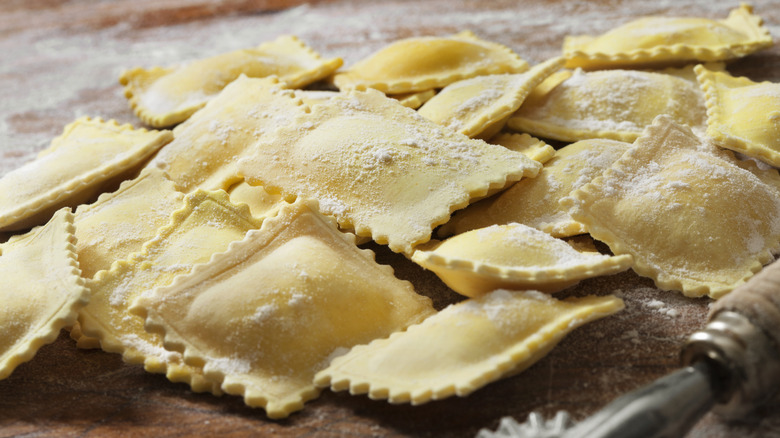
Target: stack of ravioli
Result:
[224, 252]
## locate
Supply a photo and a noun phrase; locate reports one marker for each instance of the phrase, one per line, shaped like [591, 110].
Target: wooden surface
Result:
[61, 60]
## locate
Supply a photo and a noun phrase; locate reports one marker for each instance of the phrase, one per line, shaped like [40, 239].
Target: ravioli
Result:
[163, 97]
[743, 115]
[480, 106]
[266, 315]
[414, 100]
[89, 153]
[674, 201]
[205, 149]
[42, 290]
[260, 202]
[534, 201]
[662, 40]
[118, 223]
[512, 256]
[464, 347]
[381, 169]
[613, 104]
[423, 63]
[527, 145]
[204, 225]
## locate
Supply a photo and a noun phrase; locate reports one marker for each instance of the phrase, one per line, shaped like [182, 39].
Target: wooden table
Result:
[61, 60]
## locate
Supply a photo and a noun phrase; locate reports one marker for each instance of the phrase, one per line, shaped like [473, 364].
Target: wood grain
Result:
[60, 59]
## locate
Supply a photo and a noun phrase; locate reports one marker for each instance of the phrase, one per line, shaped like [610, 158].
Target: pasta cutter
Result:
[731, 367]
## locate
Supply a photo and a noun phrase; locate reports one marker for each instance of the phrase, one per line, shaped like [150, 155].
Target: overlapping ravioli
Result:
[205, 149]
[41, 292]
[166, 96]
[743, 115]
[425, 63]
[527, 145]
[480, 106]
[414, 100]
[534, 201]
[119, 223]
[464, 347]
[73, 169]
[512, 256]
[614, 104]
[381, 169]
[260, 202]
[264, 317]
[674, 202]
[657, 40]
[205, 225]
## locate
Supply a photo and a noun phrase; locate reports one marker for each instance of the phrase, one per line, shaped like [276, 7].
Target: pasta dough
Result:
[743, 115]
[164, 97]
[512, 256]
[424, 63]
[87, 154]
[266, 315]
[204, 225]
[674, 201]
[613, 104]
[653, 40]
[534, 201]
[41, 292]
[380, 168]
[464, 347]
[206, 147]
[480, 106]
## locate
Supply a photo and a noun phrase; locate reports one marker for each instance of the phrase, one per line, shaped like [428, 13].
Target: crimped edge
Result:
[64, 316]
[515, 359]
[531, 79]
[306, 77]
[175, 341]
[715, 117]
[60, 194]
[545, 152]
[133, 89]
[663, 281]
[484, 188]
[558, 132]
[576, 57]
[345, 80]
[526, 278]
[94, 327]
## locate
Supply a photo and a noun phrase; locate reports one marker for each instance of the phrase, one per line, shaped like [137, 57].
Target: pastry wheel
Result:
[731, 366]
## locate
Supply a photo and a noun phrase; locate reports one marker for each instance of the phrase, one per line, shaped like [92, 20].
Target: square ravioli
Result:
[512, 256]
[464, 347]
[743, 115]
[427, 62]
[663, 40]
[480, 106]
[205, 148]
[42, 290]
[164, 97]
[380, 168]
[118, 223]
[70, 171]
[204, 224]
[527, 145]
[534, 201]
[674, 201]
[265, 316]
[615, 104]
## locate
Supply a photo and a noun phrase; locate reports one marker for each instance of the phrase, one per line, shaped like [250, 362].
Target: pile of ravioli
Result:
[223, 252]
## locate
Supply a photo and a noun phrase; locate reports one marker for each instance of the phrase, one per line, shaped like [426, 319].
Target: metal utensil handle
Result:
[742, 340]
[758, 300]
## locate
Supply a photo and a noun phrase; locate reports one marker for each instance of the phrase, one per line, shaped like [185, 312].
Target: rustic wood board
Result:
[61, 60]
